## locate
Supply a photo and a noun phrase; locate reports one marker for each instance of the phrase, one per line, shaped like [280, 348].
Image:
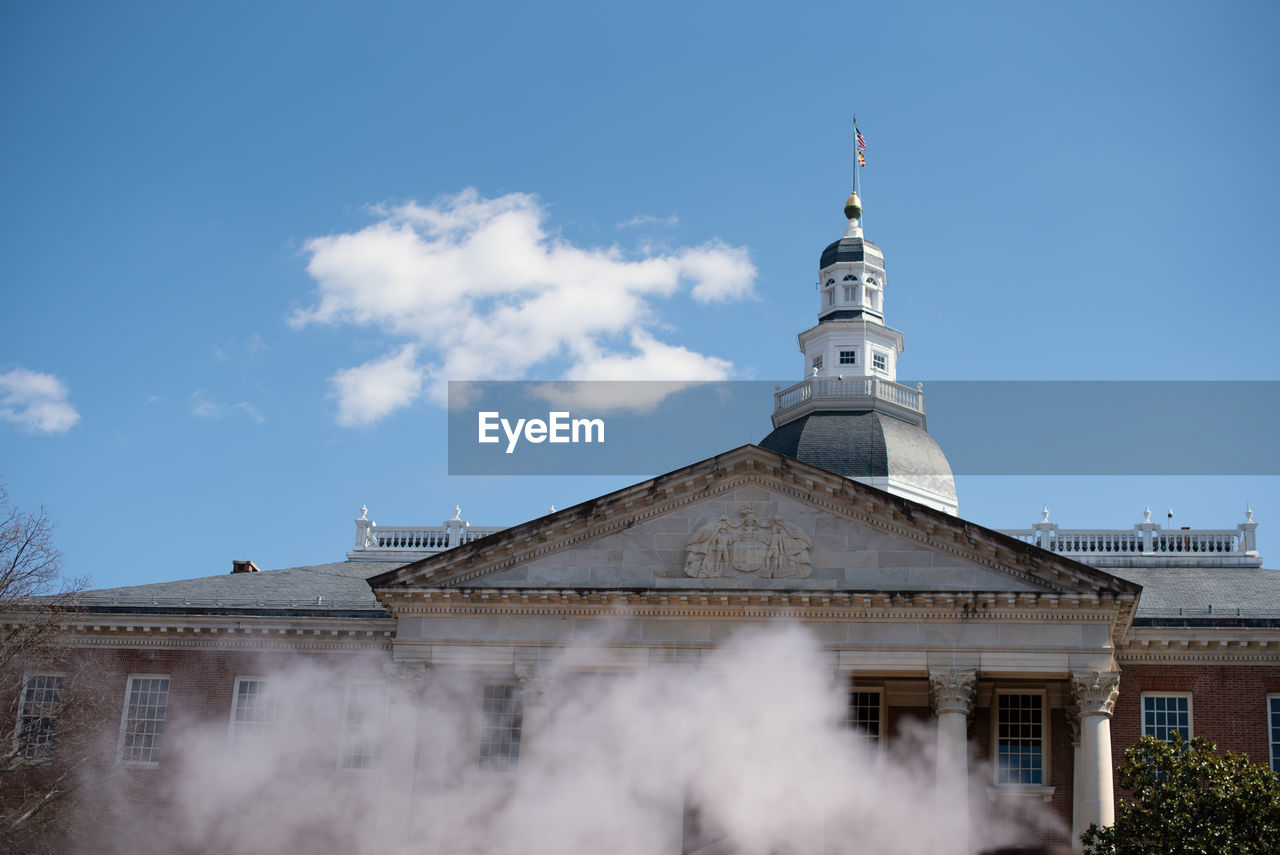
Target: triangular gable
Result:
[751, 518]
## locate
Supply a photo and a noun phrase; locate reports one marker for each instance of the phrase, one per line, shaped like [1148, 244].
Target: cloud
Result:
[477, 288]
[646, 377]
[204, 407]
[649, 220]
[368, 392]
[256, 344]
[36, 402]
[253, 345]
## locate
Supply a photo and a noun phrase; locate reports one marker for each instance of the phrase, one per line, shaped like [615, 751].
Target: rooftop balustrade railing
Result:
[1145, 540]
[373, 540]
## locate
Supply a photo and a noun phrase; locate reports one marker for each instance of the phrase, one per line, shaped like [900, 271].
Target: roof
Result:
[1205, 596]
[850, 249]
[333, 590]
[865, 444]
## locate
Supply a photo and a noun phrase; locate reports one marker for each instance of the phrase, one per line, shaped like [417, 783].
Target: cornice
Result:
[1201, 646]
[229, 633]
[750, 465]
[745, 605]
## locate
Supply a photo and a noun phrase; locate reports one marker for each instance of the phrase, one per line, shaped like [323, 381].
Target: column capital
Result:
[408, 678]
[1072, 710]
[1095, 691]
[952, 691]
[537, 681]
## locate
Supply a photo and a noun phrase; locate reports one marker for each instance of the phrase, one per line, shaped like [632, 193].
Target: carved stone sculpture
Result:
[772, 547]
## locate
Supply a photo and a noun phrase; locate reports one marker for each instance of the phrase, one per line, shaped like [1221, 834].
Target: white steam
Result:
[752, 735]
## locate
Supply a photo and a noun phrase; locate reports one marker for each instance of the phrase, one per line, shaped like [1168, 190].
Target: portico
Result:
[993, 639]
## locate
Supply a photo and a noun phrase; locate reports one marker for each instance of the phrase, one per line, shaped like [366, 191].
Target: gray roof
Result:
[334, 590]
[1171, 596]
[851, 249]
[865, 444]
[1205, 596]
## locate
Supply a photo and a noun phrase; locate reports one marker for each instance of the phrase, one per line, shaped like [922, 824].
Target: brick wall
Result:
[1228, 704]
[118, 801]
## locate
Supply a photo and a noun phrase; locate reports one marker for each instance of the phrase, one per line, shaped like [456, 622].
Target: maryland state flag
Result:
[862, 161]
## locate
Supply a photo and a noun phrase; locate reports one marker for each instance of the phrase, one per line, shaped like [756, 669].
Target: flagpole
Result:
[857, 184]
[855, 154]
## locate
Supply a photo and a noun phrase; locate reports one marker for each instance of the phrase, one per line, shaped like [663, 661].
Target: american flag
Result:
[862, 143]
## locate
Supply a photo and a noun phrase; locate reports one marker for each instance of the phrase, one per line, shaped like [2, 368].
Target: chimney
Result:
[244, 567]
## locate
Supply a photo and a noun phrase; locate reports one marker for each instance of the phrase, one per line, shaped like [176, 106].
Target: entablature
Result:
[228, 632]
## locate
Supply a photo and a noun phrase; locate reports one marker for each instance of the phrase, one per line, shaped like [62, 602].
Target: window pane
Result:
[144, 719]
[364, 725]
[1019, 739]
[503, 718]
[254, 712]
[1273, 709]
[864, 715]
[1164, 715]
[38, 716]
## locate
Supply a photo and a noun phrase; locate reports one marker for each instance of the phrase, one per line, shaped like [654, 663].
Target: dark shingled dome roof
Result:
[847, 249]
[865, 444]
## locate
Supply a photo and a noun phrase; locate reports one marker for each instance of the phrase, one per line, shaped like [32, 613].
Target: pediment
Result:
[751, 519]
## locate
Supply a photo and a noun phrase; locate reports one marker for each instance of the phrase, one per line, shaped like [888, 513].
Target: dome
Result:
[867, 445]
[850, 249]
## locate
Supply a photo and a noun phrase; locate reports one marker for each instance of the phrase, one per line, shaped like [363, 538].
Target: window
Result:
[865, 715]
[850, 293]
[817, 363]
[1273, 728]
[253, 711]
[849, 278]
[700, 833]
[142, 726]
[879, 361]
[503, 713]
[873, 293]
[1165, 714]
[831, 296]
[848, 357]
[37, 716]
[364, 725]
[1020, 738]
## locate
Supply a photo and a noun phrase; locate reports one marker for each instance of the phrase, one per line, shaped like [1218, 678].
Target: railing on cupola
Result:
[851, 387]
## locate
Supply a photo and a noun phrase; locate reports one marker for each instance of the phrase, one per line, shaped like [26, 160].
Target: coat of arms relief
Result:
[769, 547]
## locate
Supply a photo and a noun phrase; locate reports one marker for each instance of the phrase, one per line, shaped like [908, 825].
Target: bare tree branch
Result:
[49, 742]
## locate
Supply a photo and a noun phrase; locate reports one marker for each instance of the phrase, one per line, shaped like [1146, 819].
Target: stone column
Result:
[408, 685]
[1073, 722]
[536, 681]
[951, 695]
[1095, 692]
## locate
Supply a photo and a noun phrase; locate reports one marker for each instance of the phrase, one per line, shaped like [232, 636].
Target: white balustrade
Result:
[854, 387]
[409, 542]
[1149, 542]
[409, 537]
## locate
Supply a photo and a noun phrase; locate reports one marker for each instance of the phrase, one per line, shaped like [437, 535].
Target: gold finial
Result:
[853, 207]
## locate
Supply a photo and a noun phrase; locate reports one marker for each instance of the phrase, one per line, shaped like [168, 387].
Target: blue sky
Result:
[243, 244]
